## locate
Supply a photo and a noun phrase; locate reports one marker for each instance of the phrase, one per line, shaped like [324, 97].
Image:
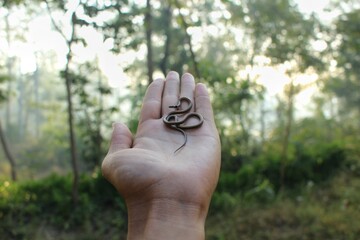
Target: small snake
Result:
[173, 121]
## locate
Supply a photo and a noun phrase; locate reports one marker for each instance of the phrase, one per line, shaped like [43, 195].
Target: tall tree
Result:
[148, 30]
[8, 153]
[167, 12]
[4, 143]
[66, 74]
[290, 95]
[36, 78]
[9, 66]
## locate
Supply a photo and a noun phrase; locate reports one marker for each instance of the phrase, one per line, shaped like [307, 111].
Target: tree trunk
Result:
[188, 38]
[164, 61]
[262, 123]
[148, 28]
[71, 132]
[74, 161]
[36, 78]
[99, 138]
[9, 65]
[8, 154]
[245, 136]
[287, 133]
[20, 116]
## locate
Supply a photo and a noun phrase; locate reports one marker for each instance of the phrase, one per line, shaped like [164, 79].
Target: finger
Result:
[121, 138]
[187, 87]
[171, 92]
[151, 108]
[203, 103]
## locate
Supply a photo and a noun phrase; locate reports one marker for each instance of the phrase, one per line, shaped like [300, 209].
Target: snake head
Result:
[179, 103]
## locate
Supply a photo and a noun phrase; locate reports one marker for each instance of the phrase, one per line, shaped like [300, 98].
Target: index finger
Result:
[151, 108]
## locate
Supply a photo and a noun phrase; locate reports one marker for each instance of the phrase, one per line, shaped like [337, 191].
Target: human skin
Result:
[167, 193]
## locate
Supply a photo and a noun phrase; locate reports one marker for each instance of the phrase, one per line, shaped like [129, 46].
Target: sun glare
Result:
[272, 79]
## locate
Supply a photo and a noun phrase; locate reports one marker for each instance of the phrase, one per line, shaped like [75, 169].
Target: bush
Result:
[48, 201]
[260, 178]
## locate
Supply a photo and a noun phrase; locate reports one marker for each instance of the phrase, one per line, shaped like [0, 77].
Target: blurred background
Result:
[284, 77]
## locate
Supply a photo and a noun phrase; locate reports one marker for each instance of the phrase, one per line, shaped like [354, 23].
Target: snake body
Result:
[177, 119]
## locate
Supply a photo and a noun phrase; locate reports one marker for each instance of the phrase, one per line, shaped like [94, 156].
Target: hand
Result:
[167, 193]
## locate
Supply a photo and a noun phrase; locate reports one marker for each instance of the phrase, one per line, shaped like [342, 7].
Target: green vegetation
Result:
[41, 208]
[325, 209]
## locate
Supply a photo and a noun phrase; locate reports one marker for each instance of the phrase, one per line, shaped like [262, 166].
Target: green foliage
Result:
[260, 177]
[9, 3]
[48, 202]
[3, 94]
[118, 25]
[348, 26]
[344, 83]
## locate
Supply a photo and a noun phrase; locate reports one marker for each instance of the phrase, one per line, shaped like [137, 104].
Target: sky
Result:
[316, 6]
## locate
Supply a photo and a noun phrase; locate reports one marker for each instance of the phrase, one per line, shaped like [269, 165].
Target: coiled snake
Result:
[177, 119]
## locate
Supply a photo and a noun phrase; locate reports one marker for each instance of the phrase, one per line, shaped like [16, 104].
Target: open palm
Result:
[146, 167]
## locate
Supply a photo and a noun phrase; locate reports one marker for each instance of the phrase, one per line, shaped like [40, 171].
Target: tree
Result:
[4, 143]
[92, 113]
[283, 34]
[346, 83]
[148, 30]
[164, 62]
[9, 66]
[185, 27]
[66, 74]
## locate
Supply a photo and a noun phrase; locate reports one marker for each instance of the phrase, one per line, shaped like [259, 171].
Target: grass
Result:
[327, 211]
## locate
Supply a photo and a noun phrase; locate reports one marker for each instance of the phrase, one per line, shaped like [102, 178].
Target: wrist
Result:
[166, 219]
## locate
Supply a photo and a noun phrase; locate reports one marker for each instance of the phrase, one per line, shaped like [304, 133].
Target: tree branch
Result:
[57, 28]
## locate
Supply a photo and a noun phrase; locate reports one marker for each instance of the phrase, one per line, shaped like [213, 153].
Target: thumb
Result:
[121, 138]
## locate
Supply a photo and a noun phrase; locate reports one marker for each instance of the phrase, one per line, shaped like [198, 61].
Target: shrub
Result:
[33, 203]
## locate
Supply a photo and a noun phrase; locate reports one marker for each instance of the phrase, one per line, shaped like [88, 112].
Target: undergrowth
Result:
[327, 211]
